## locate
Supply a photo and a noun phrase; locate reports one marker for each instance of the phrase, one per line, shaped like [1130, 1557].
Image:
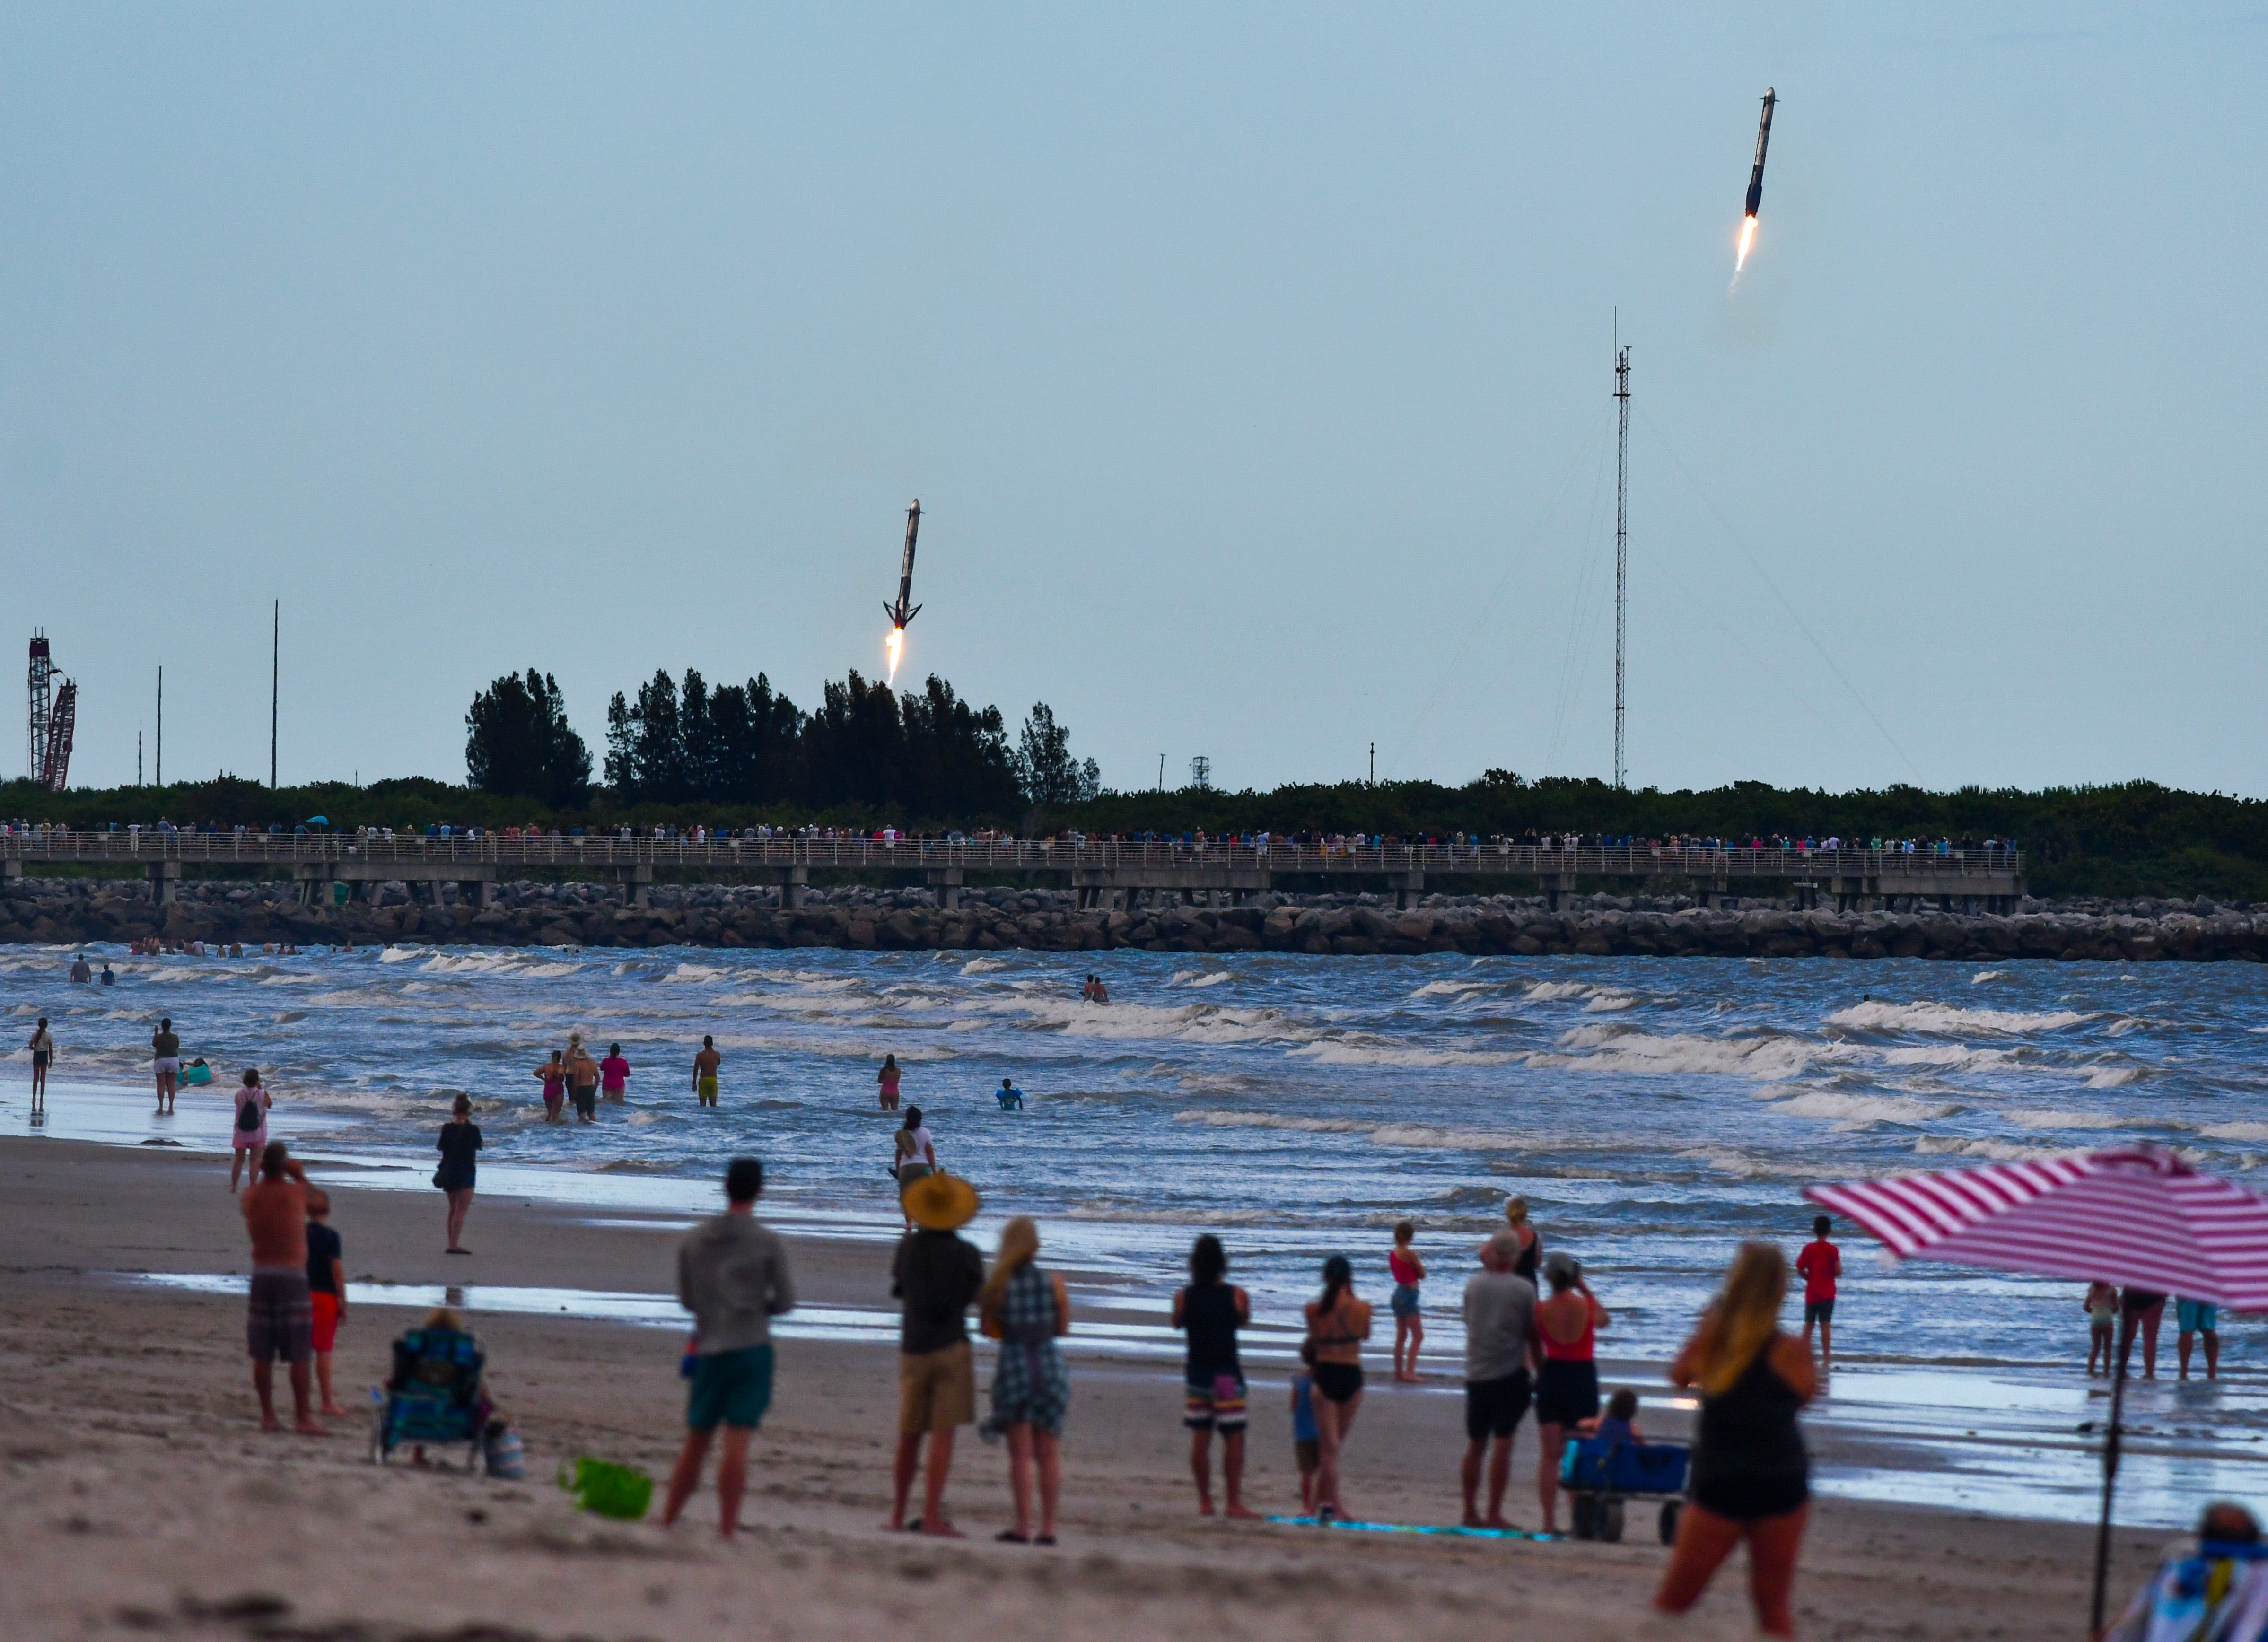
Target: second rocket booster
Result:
[1764, 137]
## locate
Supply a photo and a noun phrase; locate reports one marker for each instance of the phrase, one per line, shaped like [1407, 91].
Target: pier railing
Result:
[604, 850]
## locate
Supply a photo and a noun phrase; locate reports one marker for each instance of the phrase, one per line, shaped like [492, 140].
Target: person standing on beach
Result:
[1408, 1271]
[1821, 1262]
[1751, 1476]
[1528, 1260]
[1337, 1324]
[166, 1061]
[280, 1324]
[249, 1139]
[1024, 1308]
[582, 1079]
[614, 1076]
[733, 1276]
[460, 1147]
[2144, 1310]
[935, 1274]
[327, 1291]
[1210, 1311]
[553, 1074]
[704, 1072]
[1501, 1346]
[1567, 1383]
[2101, 1307]
[2198, 1319]
[914, 1154]
[888, 1080]
[43, 1055]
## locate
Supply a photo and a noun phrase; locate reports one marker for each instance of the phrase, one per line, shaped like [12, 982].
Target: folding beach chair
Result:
[433, 1396]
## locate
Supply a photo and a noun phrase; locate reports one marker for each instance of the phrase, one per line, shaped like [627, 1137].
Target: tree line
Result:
[921, 755]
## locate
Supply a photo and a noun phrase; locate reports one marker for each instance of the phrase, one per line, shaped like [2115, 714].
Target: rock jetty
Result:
[67, 911]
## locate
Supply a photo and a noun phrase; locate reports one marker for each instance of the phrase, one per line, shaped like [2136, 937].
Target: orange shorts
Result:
[327, 1321]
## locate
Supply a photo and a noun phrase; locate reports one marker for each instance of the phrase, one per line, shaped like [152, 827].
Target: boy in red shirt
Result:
[1821, 1262]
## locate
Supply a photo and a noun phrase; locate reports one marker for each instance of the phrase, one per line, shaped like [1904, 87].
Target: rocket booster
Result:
[1764, 135]
[904, 610]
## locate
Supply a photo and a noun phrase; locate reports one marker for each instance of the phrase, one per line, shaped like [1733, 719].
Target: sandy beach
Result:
[142, 1498]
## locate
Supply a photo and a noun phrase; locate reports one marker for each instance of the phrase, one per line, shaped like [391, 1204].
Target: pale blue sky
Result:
[1251, 363]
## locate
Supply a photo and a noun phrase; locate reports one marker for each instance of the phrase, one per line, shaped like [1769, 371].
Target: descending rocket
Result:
[904, 610]
[1757, 179]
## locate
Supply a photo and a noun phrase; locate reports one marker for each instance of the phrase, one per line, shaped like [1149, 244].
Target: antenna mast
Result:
[1621, 531]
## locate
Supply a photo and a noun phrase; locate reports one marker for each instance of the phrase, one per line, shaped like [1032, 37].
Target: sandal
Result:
[1045, 1539]
[1009, 1536]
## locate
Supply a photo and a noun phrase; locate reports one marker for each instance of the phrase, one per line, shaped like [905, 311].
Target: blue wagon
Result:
[1600, 1473]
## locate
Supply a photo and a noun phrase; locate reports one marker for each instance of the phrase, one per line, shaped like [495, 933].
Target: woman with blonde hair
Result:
[1751, 1477]
[1025, 1309]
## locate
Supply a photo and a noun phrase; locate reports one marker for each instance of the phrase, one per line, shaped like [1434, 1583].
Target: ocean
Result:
[1653, 1114]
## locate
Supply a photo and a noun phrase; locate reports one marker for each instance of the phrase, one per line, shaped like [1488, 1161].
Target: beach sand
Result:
[140, 1497]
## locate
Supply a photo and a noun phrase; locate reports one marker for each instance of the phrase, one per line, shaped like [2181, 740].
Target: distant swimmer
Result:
[108, 979]
[1095, 991]
[43, 1055]
[705, 1072]
[614, 1076]
[888, 1080]
[1011, 1098]
[80, 973]
[553, 1074]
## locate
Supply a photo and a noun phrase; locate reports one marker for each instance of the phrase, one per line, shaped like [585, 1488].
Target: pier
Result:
[1103, 872]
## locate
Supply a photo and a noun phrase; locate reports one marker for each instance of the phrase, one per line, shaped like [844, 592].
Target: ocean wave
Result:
[1552, 992]
[1423, 1137]
[1217, 1119]
[2232, 1132]
[1982, 975]
[1768, 1058]
[1947, 1020]
[1860, 1111]
[985, 966]
[1452, 989]
[1344, 1052]
[1990, 1151]
[2052, 1118]
[1610, 1003]
[1194, 978]
[2113, 1076]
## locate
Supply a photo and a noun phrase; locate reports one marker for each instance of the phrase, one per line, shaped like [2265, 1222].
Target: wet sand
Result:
[140, 1498]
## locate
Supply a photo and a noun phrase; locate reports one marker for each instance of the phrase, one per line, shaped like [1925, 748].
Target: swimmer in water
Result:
[705, 1072]
[553, 1074]
[1011, 1098]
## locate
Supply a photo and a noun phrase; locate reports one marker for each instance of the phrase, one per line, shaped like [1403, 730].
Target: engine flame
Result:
[1748, 238]
[893, 646]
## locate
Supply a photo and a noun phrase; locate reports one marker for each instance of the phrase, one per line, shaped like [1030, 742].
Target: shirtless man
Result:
[43, 1055]
[705, 1072]
[166, 1060]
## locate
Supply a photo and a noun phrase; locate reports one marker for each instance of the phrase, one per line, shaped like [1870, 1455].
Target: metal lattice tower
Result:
[1201, 771]
[42, 677]
[1622, 536]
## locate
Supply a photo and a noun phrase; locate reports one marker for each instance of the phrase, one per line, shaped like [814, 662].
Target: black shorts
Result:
[1338, 1382]
[1566, 1391]
[1818, 1311]
[1493, 1407]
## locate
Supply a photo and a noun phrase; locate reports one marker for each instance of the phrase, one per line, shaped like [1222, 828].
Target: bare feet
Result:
[1239, 1512]
[332, 1411]
[308, 1428]
[1472, 1519]
[1204, 1504]
[269, 1422]
[941, 1530]
[1499, 1524]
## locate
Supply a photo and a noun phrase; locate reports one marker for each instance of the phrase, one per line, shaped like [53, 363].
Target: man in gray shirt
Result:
[733, 1276]
[1501, 1345]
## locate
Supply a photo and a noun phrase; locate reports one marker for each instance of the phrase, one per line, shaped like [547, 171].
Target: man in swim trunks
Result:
[2192, 1317]
[43, 1055]
[705, 1072]
[166, 1060]
[81, 972]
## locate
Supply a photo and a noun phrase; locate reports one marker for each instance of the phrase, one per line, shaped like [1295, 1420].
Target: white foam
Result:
[1982, 975]
[1194, 978]
[1860, 1111]
[2050, 1117]
[2113, 1076]
[1349, 1052]
[1448, 989]
[984, 966]
[1549, 991]
[1990, 1151]
[2234, 1131]
[1610, 1003]
[1945, 1021]
[1216, 1119]
[1766, 1058]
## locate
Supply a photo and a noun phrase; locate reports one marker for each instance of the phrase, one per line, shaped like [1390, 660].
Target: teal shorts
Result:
[2190, 1315]
[730, 1389]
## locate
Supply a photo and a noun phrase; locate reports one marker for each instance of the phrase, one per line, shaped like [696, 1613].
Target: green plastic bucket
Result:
[610, 1490]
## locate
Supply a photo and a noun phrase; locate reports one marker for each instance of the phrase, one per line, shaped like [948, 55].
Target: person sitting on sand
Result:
[1210, 1311]
[2216, 1588]
[281, 1320]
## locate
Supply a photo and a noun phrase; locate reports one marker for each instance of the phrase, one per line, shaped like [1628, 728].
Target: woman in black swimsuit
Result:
[1751, 1477]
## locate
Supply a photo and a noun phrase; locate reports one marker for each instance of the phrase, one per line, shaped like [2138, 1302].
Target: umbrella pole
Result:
[2126, 1341]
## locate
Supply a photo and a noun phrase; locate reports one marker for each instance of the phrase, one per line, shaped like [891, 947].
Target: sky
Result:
[1253, 365]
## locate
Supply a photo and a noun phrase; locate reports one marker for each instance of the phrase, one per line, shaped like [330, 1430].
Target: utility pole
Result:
[1373, 763]
[1622, 530]
[137, 758]
[161, 726]
[274, 687]
[1161, 772]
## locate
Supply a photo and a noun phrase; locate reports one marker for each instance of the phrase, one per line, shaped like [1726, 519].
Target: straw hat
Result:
[942, 1202]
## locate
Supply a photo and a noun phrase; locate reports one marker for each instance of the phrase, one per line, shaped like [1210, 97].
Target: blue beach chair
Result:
[1600, 1473]
[432, 1396]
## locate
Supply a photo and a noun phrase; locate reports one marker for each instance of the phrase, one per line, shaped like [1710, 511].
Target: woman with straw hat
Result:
[1025, 1308]
[1751, 1477]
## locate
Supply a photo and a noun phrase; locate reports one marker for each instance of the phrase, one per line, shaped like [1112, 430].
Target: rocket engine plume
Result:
[904, 610]
[1755, 182]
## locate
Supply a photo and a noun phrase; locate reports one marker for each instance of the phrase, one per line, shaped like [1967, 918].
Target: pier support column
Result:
[795, 883]
[11, 871]
[1407, 887]
[164, 881]
[637, 882]
[947, 882]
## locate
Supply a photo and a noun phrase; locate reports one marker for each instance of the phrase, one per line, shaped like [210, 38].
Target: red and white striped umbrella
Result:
[2137, 1214]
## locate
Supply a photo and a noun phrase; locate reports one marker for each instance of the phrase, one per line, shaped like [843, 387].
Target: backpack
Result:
[250, 1114]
